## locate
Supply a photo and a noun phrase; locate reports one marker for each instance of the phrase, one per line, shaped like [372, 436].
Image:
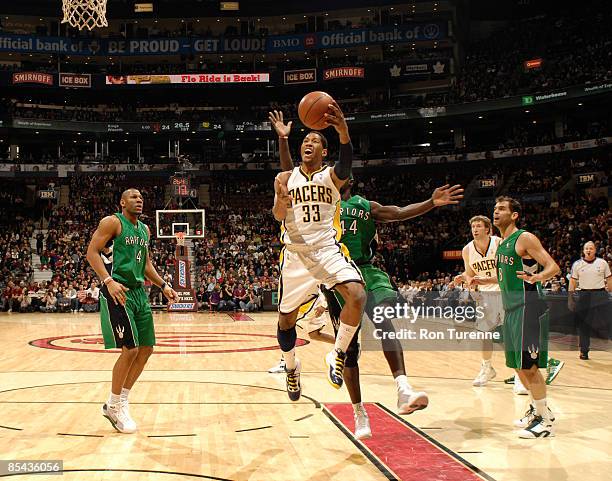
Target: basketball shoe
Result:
[280, 367]
[335, 367]
[530, 414]
[540, 427]
[410, 401]
[294, 386]
[485, 375]
[117, 416]
[553, 368]
[362, 424]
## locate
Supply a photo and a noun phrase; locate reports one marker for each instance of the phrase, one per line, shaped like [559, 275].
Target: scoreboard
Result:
[181, 186]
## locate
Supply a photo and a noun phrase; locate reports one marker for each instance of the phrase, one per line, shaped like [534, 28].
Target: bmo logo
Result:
[286, 42]
[302, 76]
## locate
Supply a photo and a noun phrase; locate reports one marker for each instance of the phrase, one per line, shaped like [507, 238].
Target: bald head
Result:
[127, 192]
[589, 250]
[131, 202]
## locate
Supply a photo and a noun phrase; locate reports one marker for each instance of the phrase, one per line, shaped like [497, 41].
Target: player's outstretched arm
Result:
[277, 121]
[529, 245]
[151, 274]
[282, 199]
[109, 228]
[444, 195]
[344, 166]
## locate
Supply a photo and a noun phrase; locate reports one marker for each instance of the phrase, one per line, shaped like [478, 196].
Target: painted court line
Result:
[407, 452]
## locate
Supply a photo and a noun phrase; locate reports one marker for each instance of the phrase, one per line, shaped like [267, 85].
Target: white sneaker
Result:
[484, 376]
[410, 401]
[280, 367]
[117, 417]
[529, 416]
[362, 425]
[519, 388]
[539, 428]
[125, 407]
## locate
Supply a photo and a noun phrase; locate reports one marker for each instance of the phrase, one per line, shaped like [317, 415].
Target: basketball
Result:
[313, 108]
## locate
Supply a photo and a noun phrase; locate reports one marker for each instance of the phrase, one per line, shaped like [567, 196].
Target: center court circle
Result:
[168, 342]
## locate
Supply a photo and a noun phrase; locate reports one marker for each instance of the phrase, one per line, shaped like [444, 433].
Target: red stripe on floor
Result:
[405, 452]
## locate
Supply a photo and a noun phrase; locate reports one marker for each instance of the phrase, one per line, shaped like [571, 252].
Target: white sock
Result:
[289, 357]
[530, 397]
[345, 336]
[358, 407]
[540, 407]
[124, 393]
[113, 399]
[486, 363]
[402, 383]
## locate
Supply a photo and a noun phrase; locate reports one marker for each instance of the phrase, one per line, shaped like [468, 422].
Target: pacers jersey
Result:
[126, 255]
[313, 219]
[514, 291]
[485, 263]
[358, 229]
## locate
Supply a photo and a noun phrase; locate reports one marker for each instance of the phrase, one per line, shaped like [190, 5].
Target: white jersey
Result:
[313, 220]
[485, 263]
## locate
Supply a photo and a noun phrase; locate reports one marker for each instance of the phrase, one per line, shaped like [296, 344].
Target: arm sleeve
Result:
[573, 273]
[607, 272]
[343, 167]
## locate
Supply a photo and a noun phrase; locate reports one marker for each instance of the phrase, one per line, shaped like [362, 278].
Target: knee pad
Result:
[286, 339]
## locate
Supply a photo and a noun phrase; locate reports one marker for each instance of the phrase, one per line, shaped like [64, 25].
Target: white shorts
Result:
[491, 306]
[303, 272]
[307, 319]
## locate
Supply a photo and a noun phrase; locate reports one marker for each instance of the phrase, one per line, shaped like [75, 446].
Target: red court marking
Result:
[406, 453]
[167, 339]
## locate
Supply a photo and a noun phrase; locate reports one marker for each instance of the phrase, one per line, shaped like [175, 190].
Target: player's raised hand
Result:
[447, 195]
[277, 121]
[335, 118]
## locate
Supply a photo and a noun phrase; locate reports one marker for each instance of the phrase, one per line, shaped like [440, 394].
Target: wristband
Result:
[109, 278]
[283, 137]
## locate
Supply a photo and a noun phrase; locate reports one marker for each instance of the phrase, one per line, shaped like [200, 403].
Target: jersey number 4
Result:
[352, 227]
[139, 256]
[316, 214]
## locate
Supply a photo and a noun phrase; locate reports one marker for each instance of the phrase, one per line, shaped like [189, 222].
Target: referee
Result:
[590, 277]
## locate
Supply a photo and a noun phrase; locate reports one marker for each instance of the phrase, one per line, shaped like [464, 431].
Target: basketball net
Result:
[85, 14]
[180, 238]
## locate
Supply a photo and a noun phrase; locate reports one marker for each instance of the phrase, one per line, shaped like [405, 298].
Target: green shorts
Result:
[525, 334]
[378, 287]
[130, 325]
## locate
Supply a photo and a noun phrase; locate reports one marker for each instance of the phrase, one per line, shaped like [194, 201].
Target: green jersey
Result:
[358, 229]
[127, 258]
[514, 291]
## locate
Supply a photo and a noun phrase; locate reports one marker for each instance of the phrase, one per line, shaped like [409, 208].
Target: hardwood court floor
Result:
[209, 409]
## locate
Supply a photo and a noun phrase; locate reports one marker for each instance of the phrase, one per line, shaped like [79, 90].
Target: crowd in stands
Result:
[574, 50]
[237, 260]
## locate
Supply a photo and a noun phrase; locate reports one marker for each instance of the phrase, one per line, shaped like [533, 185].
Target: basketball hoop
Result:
[83, 14]
[180, 238]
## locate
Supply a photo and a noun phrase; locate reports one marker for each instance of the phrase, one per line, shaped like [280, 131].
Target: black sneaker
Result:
[335, 367]
[294, 387]
[584, 356]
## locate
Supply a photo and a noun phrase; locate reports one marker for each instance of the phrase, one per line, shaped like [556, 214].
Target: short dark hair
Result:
[323, 138]
[515, 205]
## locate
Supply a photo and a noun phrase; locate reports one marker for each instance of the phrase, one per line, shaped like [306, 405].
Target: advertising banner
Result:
[343, 72]
[302, 76]
[155, 79]
[32, 78]
[78, 80]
